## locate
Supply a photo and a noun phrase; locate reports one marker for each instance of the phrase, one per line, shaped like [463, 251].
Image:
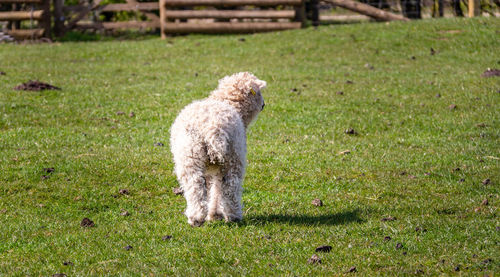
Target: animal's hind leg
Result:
[214, 179]
[193, 184]
[232, 191]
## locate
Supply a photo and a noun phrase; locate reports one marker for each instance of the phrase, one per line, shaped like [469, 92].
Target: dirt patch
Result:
[2, 73]
[315, 259]
[36, 86]
[87, 223]
[389, 218]
[324, 248]
[490, 73]
[352, 269]
[350, 131]
[317, 202]
[419, 229]
[124, 213]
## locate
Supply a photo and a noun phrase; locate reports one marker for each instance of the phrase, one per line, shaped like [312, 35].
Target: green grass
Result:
[293, 153]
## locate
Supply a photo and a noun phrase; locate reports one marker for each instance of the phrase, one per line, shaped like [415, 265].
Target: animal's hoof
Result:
[196, 223]
[212, 217]
[233, 218]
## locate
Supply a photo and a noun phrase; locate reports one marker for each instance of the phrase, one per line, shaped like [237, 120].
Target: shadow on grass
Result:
[328, 219]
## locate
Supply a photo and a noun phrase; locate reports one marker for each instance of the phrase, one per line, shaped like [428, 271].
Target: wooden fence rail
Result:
[227, 14]
[231, 3]
[36, 11]
[18, 16]
[21, 1]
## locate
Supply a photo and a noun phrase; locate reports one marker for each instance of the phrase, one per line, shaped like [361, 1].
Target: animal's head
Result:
[244, 91]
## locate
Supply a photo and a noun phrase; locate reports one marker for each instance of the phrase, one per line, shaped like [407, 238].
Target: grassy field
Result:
[411, 197]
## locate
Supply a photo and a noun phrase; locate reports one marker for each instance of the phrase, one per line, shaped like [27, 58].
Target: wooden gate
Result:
[229, 16]
[27, 19]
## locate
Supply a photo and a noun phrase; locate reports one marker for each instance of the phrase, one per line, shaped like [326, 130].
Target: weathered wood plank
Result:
[229, 14]
[173, 3]
[20, 34]
[21, 15]
[131, 25]
[228, 27]
[20, 1]
[119, 25]
[144, 6]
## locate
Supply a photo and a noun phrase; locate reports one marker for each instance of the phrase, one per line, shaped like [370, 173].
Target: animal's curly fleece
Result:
[208, 142]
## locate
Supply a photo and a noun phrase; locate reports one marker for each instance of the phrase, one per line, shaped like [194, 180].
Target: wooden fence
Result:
[31, 19]
[71, 17]
[37, 12]
[229, 16]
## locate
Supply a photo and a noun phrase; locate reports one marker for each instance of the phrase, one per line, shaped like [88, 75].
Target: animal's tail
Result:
[217, 147]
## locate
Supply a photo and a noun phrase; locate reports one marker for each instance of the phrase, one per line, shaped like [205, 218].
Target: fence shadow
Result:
[344, 217]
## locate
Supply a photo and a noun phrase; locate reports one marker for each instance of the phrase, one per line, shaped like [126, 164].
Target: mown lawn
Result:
[411, 197]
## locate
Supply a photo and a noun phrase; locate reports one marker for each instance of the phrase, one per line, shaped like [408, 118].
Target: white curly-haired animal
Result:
[208, 142]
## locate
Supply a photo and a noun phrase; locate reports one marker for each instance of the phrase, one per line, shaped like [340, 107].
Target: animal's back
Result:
[209, 129]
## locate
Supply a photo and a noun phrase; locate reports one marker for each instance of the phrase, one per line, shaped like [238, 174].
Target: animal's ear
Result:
[261, 84]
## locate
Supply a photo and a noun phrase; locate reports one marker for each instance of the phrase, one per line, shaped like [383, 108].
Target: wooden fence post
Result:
[58, 18]
[300, 14]
[45, 22]
[315, 12]
[163, 19]
[474, 8]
